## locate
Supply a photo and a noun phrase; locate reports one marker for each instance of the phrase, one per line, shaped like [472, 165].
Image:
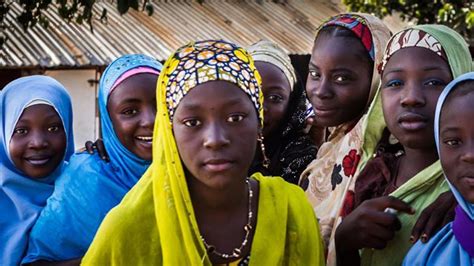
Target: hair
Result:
[339, 31]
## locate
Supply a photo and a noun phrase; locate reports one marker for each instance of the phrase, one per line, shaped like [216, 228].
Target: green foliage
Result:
[457, 14]
[79, 11]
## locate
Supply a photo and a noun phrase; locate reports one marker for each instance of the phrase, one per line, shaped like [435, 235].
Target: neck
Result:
[414, 161]
[223, 199]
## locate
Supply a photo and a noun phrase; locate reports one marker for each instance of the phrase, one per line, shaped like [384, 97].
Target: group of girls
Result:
[207, 160]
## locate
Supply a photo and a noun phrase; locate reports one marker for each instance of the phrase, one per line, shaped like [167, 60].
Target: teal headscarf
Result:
[22, 198]
[89, 186]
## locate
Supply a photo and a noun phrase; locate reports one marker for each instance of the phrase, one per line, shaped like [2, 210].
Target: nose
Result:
[37, 140]
[319, 88]
[148, 118]
[215, 136]
[468, 153]
[412, 96]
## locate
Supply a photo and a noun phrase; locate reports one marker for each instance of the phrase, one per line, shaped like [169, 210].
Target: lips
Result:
[218, 165]
[412, 121]
[145, 141]
[468, 179]
[323, 111]
[38, 160]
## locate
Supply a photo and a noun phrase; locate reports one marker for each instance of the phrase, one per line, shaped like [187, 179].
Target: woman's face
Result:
[339, 80]
[38, 143]
[132, 109]
[216, 129]
[456, 139]
[411, 84]
[276, 91]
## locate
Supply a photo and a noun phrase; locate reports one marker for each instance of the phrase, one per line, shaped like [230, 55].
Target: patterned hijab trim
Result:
[412, 38]
[203, 61]
[358, 25]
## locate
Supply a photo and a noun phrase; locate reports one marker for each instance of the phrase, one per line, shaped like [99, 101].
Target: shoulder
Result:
[277, 188]
[132, 221]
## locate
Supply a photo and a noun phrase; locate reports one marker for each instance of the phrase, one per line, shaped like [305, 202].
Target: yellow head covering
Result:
[155, 223]
[204, 61]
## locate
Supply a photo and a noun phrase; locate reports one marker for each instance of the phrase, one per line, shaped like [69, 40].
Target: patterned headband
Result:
[203, 61]
[358, 26]
[411, 38]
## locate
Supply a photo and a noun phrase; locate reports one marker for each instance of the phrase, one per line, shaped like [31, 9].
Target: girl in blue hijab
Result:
[90, 186]
[454, 135]
[36, 140]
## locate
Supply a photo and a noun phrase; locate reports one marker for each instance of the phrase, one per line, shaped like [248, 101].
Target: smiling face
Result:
[216, 138]
[456, 139]
[38, 143]
[411, 84]
[276, 91]
[132, 109]
[339, 79]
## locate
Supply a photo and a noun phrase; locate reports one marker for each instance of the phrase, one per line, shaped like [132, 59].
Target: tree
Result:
[457, 14]
[79, 11]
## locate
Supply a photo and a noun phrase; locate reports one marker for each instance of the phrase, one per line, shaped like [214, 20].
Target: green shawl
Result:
[421, 190]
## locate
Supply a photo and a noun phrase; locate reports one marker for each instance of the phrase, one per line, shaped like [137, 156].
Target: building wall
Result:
[83, 94]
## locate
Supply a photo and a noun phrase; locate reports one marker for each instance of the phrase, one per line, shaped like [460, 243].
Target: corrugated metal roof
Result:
[173, 24]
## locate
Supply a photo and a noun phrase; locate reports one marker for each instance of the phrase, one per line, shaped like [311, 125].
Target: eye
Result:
[393, 83]
[130, 112]
[53, 129]
[314, 74]
[435, 82]
[235, 118]
[341, 79]
[192, 123]
[20, 131]
[452, 142]
[275, 98]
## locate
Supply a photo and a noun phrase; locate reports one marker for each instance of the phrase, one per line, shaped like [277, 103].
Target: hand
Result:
[434, 217]
[370, 225]
[310, 121]
[98, 146]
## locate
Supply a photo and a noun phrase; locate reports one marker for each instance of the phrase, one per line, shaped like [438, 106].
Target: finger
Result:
[433, 225]
[310, 120]
[380, 232]
[396, 204]
[384, 219]
[449, 217]
[101, 150]
[420, 224]
[89, 147]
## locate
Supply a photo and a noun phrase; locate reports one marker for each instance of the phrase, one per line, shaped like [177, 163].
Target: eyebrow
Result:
[130, 100]
[49, 117]
[195, 106]
[428, 68]
[279, 87]
[450, 128]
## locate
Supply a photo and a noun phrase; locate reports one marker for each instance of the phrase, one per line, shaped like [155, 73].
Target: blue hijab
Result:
[22, 198]
[445, 248]
[89, 187]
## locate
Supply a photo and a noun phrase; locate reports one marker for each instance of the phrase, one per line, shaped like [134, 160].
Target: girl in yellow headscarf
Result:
[195, 205]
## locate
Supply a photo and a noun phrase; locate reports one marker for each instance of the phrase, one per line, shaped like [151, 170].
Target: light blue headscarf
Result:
[21, 197]
[444, 248]
[89, 187]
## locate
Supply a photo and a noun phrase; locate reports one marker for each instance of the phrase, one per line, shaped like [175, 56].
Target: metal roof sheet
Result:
[173, 23]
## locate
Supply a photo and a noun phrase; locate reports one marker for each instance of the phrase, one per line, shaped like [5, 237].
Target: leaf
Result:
[103, 16]
[149, 9]
[122, 6]
[133, 4]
